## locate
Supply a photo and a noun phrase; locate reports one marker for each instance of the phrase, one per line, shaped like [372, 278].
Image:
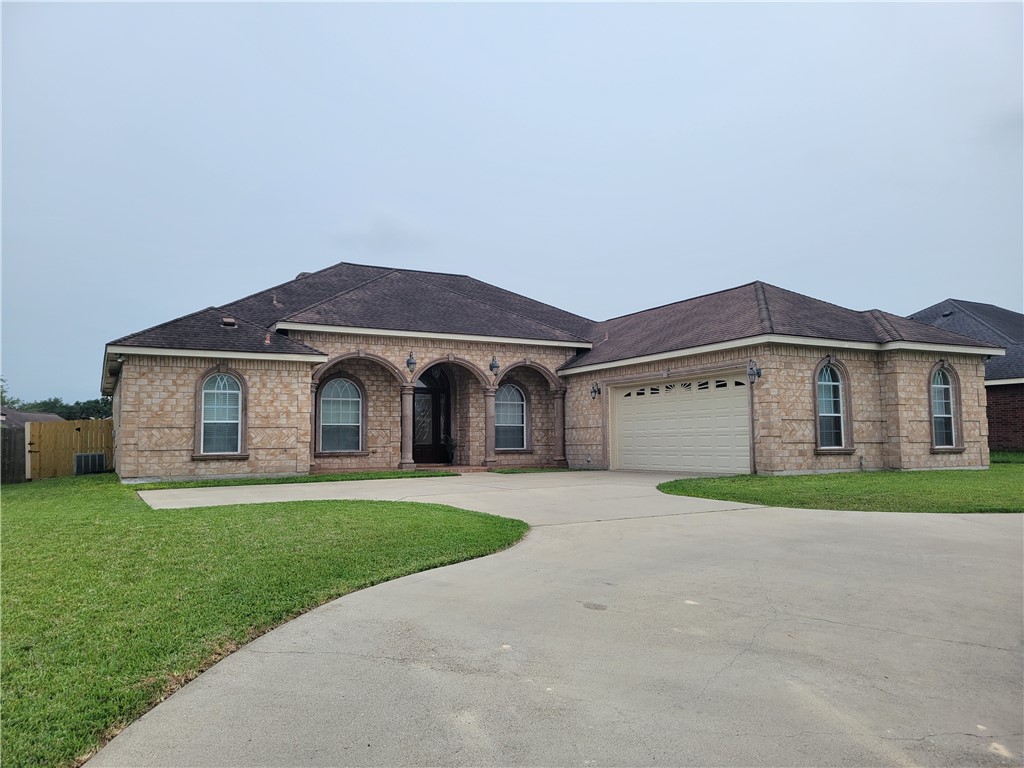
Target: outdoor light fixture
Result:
[594, 391]
[410, 362]
[494, 365]
[753, 372]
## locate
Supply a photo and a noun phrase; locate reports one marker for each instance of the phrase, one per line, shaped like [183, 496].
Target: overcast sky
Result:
[158, 159]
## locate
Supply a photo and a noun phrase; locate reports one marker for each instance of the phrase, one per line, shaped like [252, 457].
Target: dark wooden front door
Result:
[431, 423]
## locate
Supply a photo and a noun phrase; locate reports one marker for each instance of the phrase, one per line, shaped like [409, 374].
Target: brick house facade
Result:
[1004, 374]
[357, 368]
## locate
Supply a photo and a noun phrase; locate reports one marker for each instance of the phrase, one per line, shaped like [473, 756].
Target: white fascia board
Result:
[219, 353]
[1003, 382]
[312, 327]
[801, 341]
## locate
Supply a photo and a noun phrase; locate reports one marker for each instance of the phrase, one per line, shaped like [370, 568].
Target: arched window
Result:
[830, 408]
[341, 416]
[221, 424]
[943, 404]
[509, 418]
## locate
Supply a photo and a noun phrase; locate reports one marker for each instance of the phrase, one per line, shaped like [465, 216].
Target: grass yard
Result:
[334, 477]
[109, 605]
[998, 489]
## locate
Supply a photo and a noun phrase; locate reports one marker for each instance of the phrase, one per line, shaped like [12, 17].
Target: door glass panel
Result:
[423, 421]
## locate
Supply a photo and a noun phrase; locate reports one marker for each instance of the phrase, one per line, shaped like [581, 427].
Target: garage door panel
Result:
[699, 425]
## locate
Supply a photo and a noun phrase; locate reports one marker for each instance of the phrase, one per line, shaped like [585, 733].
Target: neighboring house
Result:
[12, 418]
[360, 367]
[1004, 376]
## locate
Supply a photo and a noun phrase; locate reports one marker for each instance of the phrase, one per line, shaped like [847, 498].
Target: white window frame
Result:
[835, 385]
[947, 385]
[521, 424]
[237, 421]
[359, 411]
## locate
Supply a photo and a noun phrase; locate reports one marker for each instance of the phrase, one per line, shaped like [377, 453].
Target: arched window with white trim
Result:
[509, 418]
[221, 424]
[341, 416]
[943, 399]
[830, 408]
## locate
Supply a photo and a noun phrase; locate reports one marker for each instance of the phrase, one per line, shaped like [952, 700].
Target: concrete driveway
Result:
[630, 628]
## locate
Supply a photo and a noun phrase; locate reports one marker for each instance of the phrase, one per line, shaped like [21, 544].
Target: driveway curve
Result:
[629, 628]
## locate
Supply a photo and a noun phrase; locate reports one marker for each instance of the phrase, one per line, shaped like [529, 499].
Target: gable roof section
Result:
[987, 322]
[15, 419]
[748, 311]
[204, 330]
[403, 300]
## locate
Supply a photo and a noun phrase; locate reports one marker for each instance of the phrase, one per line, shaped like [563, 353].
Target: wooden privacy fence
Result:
[12, 455]
[58, 448]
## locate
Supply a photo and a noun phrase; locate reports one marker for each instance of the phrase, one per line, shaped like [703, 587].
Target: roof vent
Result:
[228, 322]
[947, 314]
[303, 274]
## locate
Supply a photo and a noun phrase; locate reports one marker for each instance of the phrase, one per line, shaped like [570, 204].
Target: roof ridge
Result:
[300, 276]
[764, 314]
[339, 293]
[507, 311]
[960, 303]
[161, 325]
[680, 301]
[884, 324]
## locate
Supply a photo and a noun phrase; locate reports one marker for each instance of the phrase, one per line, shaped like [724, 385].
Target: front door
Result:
[431, 422]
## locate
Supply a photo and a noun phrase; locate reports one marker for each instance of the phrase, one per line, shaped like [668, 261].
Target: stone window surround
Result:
[848, 446]
[954, 392]
[527, 419]
[197, 444]
[363, 415]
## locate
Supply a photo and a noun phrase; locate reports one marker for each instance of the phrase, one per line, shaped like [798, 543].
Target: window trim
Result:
[243, 416]
[363, 415]
[955, 405]
[845, 408]
[527, 446]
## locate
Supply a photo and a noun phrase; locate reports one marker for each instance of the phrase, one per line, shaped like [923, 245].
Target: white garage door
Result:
[702, 425]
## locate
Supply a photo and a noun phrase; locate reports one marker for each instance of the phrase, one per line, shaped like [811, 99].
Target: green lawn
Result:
[109, 605]
[998, 489]
[395, 474]
[1007, 457]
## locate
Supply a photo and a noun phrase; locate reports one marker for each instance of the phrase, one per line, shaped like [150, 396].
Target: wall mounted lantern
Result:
[753, 372]
[410, 363]
[594, 391]
[494, 365]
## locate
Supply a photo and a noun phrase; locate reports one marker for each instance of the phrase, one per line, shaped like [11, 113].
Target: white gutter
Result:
[771, 338]
[314, 328]
[1003, 382]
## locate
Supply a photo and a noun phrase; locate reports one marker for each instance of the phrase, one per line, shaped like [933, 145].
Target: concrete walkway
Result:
[630, 628]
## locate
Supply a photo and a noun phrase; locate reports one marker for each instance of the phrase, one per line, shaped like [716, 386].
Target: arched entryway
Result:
[432, 441]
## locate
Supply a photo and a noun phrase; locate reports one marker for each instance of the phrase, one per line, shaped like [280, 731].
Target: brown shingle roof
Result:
[205, 330]
[404, 300]
[749, 310]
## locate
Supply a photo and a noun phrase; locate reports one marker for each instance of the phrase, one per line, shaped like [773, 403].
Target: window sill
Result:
[835, 451]
[341, 454]
[220, 456]
[948, 449]
[513, 450]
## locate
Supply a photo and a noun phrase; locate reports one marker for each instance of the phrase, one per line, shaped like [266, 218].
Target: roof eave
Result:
[774, 338]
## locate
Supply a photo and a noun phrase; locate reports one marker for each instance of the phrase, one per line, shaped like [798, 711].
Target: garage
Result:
[699, 425]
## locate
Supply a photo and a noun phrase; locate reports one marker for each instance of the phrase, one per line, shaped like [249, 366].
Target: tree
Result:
[99, 408]
[6, 398]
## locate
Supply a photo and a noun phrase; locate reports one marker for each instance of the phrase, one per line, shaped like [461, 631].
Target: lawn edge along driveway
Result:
[109, 605]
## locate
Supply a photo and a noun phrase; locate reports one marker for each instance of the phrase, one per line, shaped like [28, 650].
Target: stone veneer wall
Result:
[467, 391]
[888, 404]
[382, 434]
[156, 411]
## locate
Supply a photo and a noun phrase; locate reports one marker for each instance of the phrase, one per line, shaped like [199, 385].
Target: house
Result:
[360, 367]
[12, 418]
[1004, 376]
